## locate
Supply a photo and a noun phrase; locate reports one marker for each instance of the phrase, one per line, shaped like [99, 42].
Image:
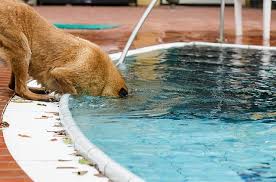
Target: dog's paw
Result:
[53, 98]
[38, 90]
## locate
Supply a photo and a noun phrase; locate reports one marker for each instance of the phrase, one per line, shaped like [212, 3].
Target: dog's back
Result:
[6, 23]
[14, 1]
[57, 60]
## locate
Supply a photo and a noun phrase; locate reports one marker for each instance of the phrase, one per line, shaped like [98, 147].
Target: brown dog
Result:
[57, 60]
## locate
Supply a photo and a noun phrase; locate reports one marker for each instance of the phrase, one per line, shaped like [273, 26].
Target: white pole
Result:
[266, 19]
[238, 17]
[135, 31]
[221, 31]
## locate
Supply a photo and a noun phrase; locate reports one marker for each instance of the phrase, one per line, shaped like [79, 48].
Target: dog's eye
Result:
[123, 92]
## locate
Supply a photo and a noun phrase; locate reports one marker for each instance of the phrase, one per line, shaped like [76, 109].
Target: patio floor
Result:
[182, 23]
[9, 170]
[165, 24]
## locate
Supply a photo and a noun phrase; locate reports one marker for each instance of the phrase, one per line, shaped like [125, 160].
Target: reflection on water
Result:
[190, 110]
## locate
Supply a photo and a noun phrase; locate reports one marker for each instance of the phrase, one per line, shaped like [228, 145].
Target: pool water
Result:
[194, 114]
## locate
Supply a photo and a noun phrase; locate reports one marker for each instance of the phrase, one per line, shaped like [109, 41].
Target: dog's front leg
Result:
[20, 70]
[19, 55]
[12, 82]
[37, 90]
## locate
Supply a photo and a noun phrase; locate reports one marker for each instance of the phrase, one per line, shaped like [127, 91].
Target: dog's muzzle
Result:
[123, 93]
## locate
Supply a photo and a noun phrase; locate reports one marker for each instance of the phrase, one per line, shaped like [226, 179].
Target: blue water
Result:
[194, 114]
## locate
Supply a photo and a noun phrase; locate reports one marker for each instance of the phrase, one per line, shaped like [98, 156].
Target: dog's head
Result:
[100, 77]
[115, 84]
[93, 73]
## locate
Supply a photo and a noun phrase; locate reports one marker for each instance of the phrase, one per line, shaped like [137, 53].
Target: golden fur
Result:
[59, 61]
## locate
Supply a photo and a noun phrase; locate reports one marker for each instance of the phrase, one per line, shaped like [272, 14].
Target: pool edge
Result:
[115, 56]
[105, 164]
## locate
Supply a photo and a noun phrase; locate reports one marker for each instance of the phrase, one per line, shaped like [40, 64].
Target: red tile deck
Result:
[183, 23]
[9, 170]
[165, 24]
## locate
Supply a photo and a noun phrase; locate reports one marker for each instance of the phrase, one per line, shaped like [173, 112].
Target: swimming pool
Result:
[195, 113]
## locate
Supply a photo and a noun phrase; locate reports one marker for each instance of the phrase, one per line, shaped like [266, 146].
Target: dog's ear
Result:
[62, 76]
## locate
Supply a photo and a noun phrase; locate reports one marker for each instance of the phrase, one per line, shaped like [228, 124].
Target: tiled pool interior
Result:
[194, 113]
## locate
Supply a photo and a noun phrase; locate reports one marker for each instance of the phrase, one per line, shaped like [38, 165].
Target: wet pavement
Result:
[165, 24]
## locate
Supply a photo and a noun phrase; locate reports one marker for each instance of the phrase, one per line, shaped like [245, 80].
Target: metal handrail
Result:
[221, 25]
[135, 31]
[145, 15]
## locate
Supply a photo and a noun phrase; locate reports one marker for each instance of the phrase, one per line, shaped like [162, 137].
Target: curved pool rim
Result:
[104, 163]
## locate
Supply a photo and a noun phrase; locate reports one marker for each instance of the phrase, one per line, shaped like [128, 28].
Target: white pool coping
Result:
[114, 171]
[105, 164]
[116, 56]
[38, 156]
[35, 147]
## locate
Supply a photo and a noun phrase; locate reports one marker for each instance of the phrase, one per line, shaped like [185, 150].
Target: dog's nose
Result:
[123, 92]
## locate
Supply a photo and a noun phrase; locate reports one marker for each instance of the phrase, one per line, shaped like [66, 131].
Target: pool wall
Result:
[104, 163]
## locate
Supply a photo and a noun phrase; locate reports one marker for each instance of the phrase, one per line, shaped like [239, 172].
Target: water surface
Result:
[193, 114]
